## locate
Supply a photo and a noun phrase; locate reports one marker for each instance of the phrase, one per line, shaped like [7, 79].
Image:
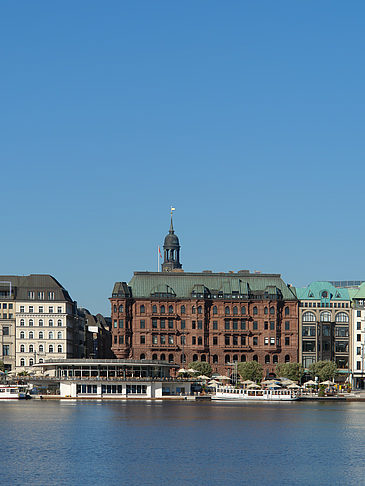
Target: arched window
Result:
[287, 358]
[22, 348]
[199, 309]
[243, 310]
[215, 358]
[203, 358]
[31, 335]
[163, 357]
[31, 361]
[142, 356]
[121, 309]
[287, 311]
[40, 323]
[243, 358]
[195, 357]
[275, 359]
[235, 311]
[59, 335]
[255, 357]
[235, 357]
[162, 309]
[41, 360]
[182, 309]
[200, 341]
[226, 310]
[142, 309]
[50, 348]
[227, 358]
[114, 308]
[50, 323]
[309, 317]
[266, 310]
[31, 348]
[22, 362]
[272, 310]
[171, 309]
[50, 335]
[40, 335]
[342, 317]
[215, 310]
[41, 348]
[59, 323]
[22, 335]
[171, 358]
[154, 356]
[154, 309]
[254, 310]
[325, 317]
[267, 359]
[193, 309]
[22, 323]
[31, 322]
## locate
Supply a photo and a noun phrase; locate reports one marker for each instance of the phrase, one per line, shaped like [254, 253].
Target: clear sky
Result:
[246, 116]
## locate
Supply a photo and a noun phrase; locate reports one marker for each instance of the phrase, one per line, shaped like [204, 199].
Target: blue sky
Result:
[248, 117]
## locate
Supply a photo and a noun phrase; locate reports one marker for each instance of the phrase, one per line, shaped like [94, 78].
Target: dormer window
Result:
[324, 294]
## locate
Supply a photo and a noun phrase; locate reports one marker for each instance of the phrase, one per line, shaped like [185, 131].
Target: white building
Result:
[358, 336]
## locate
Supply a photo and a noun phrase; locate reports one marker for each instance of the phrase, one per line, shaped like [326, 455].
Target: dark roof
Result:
[21, 285]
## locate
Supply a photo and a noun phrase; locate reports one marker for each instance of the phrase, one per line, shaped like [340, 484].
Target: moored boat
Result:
[230, 393]
[13, 392]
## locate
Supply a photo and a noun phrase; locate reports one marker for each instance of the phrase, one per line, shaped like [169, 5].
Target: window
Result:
[171, 339]
[163, 338]
[226, 325]
[287, 311]
[266, 341]
[324, 294]
[358, 338]
[31, 348]
[40, 323]
[309, 317]
[200, 309]
[154, 356]
[171, 309]
[235, 311]
[50, 323]
[215, 325]
[41, 348]
[31, 322]
[51, 295]
[31, 309]
[215, 358]
[22, 322]
[254, 310]
[59, 335]
[309, 346]
[142, 324]
[59, 323]
[235, 340]
[193, 310]
[162, 309]
[200, 324]
[162, 323]
[272, 325]
[59, 310]
[358, 326]
[163, 357]
[22, 362]
[243, 340]
[31, 361]
[342, 317]
[5, 331]
[358, 365]
[341, 347]
[22, 309]
[154, 340]
[121, 309]
[200, 341]
[358, 313]
[41, 295]
[22, 348]
[182, 309]
[243, 310]
[50, 310]
[287, 326]
[325, 317]
[308, 331]
[226, 310]
[287, 341]
[115, 323]
[287, 358]
[183, 340]
[171, 324]
[255, 357]
[31, 295]
[275, 359]
[121, 339]
[182, 324]
[50, 335]
[6, 349]
[31, 335]
[255, 325]
[142, 339]
[243, 358]
[342, 331]
[215, 310]
[272, 341]
[40, 335]
[243, 325]
[255, 341]
[272, 311]
[215, 341]
[121, 323]
[267, 359]
[115, 339]
[142, 309]
[50, 348]
[22, 335]
[154, 323]
[227, 340]
[154, 309]
[266, 310]
[235, 325]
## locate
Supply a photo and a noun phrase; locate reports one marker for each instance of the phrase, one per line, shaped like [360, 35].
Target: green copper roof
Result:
[182, 285]
[315, 291]
[357, 292]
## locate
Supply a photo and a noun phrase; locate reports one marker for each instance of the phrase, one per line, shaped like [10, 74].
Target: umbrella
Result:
[268, 382]
[273, 385]
[310, 383]
[203, 377]
[293, 385]
[220, 377]
[191, 370]
[213, 383]
[328, 382]
[182, 370]
[253, 385]
[247, 382]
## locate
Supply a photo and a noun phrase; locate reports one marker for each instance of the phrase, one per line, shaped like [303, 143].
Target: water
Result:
[179, 443]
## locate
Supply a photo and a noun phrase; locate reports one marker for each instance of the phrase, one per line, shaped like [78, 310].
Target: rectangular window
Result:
[193, 340]
[163, 338]
[235, 340]
[243, 325]
[115, 323]
[358, 338]
[235, 324]
[358, 351]
[272, 341]
[266, 341]
[183, 340]
[309, 346]
[51, 296]
[358, 314]
[59, 310]
[215, 325]
[227, 339]
[243, 340]
[121, 339]
[287, 326]
[5, 331]
[358, 365]
[121, 323]
[193, 325]
[5, 306]
[358, 326]
[10, 316]
[255, 325]
[115, 339]
[154, 323]
[31, 309]
[171, 339]
[162, 323]
[142, 324]
[266, 325]
[10, 306]
[6, 349]
[287, 341]
[40, 309]
[200, 324]
[182, 324]
[143, 339]
[154, 338]
[31, 295]
[255, 341]
[50, 310]
[215, 341]
[5, 316]
[272, 326]
[171, 324]
[40, 295]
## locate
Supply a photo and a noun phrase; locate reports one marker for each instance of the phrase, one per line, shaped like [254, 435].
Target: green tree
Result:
[201, 366]
[250, 370]
[293, 371]
[2, 367]
[325, 370]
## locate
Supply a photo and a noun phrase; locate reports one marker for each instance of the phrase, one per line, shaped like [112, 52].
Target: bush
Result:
[250, 370]
[201, 366]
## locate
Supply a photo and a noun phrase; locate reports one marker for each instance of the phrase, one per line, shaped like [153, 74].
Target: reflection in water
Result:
[165, 443]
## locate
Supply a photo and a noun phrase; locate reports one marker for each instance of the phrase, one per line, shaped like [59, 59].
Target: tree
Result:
[325, 370]
[201, 366]
[2, 367]
[250, 370]
[293, 371]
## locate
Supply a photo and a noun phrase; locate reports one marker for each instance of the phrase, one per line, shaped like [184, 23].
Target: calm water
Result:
[162, 443]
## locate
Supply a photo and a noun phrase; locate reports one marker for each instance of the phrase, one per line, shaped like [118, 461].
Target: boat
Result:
[230, 393]
[13, 392]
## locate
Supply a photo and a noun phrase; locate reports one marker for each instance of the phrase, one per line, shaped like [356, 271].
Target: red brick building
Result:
[219, 318]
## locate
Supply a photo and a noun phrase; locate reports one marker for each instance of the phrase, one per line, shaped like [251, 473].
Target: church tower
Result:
[171, 251]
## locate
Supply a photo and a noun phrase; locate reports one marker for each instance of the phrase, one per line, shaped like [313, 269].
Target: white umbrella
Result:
[328, 382]
[293, 385]
[191, 370]
[182, 370]
[203, 377]
[213, 383]
[310, 383]
[253, 385]
[273, 385]
[247, 382]
[220, 377]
